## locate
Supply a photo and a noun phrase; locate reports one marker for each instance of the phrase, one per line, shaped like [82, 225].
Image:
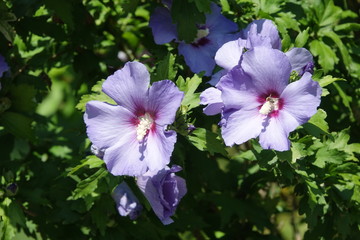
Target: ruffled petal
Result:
[215, 78]
[212, 98]
[301, 98]
[164, 100]
[106, 124]
[241, 125]
[126, 157]
[163, 29]
[265, 29]
[273, 135]
[229, 54]
[128, 86]
[269, 69]
[159, 147]
[199, 58]
[299, 59]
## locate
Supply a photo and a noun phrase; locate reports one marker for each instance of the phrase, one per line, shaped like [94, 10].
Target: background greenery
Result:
[51, 187]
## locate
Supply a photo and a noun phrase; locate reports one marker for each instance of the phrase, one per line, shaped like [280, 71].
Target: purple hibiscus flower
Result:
[132, 135]
[126, 202]
[199, 55]
[164, 190]
[4, 67]
[258, 101]
[258, 33]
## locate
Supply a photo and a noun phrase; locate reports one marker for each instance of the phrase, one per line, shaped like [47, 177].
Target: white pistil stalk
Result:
[271, 104]
[201, 33]
[145, 123]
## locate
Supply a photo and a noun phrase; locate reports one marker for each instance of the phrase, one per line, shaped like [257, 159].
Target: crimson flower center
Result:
[143, 127]
[271, 104]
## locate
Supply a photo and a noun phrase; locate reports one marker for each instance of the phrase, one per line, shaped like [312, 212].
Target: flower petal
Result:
[218, 23]
[126, 157]
[269, 69]
[199, 58]
[229, 54]
[159, 147]
[163, 29]
[299, 58]
[212, 98]
[301, 98]
[240, 126]
[215, 78]
[274, 136]
[265, 29]
[107, 124]
[128, 86]
[164, 100]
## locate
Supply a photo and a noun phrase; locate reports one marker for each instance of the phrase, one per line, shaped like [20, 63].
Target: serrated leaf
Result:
[327, 57]
[302, 38]
[88, 185]
[318, 119]
[91, 161]
[325, 155]
[17, 124]
[347, 27]
[96, 95]
[165, 69]
[205, 140]
[326, 80]
[189, 86]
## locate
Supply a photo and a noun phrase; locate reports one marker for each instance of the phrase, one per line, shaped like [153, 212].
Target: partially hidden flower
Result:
[199, 54]
[133, 135]
[259, 33]
[4, 67]
[126, 202]
[164, 190]
[259, 101]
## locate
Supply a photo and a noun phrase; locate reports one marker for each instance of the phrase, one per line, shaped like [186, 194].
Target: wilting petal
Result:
[240, 126]
[273, 135]
[229, 54]
[164, 100]
[269, 69]
[106, 124]
[126, 157]
[126, 202]
[128, 86]
[301, 98]
[212, 98]
[299, 58]
[199, 58]
[163, 29]
[159, 147]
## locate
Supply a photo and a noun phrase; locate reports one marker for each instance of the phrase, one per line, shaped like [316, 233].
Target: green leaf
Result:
[188, 86]
[63, 9]
[205, 140]
[287, 21]
[17, 124]
[346, 100]
[165, 69]
[186, 15]
[325, 155]
[302, 38]
[347, 27]
[327, 57]
[318, 121]
[91, 161]
[88, 185]
[326, 80]
[96, 95]
[202, 5]
[5, 28]
[331, 14]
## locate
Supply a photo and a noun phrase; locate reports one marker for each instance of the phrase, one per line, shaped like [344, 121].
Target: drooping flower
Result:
[258, 101]
[132, 135]
[164, 190]
[126, 202]
[258, 33]
[199, 55]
